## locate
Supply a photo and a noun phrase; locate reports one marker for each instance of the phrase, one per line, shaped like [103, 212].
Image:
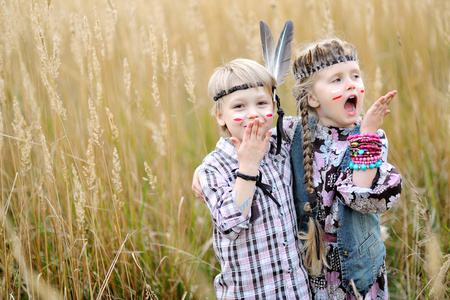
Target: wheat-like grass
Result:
[104, 116]
[151, 178]
[112, 124]
[441, 280]
[95, 130]
[80, 203]
[48, 162]
[90, 170]
[116, 179]
[155, 90]
[1, 128]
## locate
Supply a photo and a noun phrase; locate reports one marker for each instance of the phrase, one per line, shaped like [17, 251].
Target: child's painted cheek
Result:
[269, 115]
[360, 88]
[238, 118]
[336, 94]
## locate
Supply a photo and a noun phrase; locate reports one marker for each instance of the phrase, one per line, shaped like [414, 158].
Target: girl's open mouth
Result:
[350, 105]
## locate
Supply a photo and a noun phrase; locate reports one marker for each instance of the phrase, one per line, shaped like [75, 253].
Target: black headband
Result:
[307, 71]
[244, 86]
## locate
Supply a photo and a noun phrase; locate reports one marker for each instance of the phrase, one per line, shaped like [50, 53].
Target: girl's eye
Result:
[263, 103]
[356, 76]
[238, 106]
[336, 80]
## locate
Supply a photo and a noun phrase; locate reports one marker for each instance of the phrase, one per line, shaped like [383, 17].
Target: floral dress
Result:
[330, 144]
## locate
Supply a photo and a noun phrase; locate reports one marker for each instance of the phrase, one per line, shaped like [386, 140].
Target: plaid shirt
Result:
[258, 254]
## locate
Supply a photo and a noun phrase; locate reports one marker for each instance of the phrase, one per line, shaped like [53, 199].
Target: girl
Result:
[341, 177]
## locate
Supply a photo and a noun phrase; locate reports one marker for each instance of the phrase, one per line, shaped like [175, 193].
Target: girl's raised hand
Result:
[251, 149]
[373, 120]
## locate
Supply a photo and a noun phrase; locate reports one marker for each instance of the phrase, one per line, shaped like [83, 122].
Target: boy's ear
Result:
[312, 101]
[219, 118]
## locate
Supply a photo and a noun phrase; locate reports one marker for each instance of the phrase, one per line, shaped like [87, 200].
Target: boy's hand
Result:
[375, 115]
[196, 187]
[251, 150]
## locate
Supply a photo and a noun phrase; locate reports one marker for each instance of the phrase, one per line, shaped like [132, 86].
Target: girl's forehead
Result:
[350, 67]
[341, 67]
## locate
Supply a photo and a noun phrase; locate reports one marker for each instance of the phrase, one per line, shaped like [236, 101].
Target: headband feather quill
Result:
[268, 45]
[278, 60]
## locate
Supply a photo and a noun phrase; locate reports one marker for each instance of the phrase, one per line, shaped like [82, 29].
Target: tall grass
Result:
[104, 116]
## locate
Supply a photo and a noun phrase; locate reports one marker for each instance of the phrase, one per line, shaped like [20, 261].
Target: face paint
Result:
[269, 115]
[360, 87]
[335, 98]
[237, 119]
[336, 92]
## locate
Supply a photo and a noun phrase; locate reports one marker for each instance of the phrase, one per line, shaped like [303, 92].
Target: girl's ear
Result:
[219, 118]
[312, 101]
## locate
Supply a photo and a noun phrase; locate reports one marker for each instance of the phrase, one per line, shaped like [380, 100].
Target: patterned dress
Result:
[330, 144]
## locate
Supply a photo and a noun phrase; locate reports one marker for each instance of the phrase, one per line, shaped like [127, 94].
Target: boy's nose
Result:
[252, 113]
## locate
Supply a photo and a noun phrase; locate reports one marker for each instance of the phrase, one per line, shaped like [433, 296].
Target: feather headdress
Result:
[277, 60]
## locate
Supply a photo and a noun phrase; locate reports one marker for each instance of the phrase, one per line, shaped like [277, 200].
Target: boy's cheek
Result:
[237, 118]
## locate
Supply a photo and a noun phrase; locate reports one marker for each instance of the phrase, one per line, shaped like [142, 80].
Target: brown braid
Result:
[307, 151]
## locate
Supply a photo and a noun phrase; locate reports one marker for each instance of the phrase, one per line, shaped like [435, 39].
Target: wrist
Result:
[247, 177]
[368, 130]
[250, 171]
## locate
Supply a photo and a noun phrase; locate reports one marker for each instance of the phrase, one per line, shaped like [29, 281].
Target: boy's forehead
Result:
[254, 92]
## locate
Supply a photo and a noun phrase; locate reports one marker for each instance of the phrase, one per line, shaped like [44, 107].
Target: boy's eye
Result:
[263, 102]
[356, 76]
[336, 79]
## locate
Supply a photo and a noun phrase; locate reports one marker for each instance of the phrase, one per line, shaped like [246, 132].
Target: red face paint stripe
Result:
[362, 91]
[335, 98]
[269, 115]
[237, 119]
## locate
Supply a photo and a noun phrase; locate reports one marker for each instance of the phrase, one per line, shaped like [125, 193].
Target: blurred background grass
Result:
[105, 116]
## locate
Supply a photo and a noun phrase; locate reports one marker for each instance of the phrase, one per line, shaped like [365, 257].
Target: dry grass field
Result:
[104, 116]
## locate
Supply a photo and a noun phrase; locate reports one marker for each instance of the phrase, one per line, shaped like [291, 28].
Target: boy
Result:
[248, 190]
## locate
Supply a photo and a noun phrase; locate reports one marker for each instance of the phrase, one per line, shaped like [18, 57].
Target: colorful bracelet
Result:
[363, 167]
[365, 151]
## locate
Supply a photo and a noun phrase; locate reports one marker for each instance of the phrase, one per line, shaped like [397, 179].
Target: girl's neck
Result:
[351, 126]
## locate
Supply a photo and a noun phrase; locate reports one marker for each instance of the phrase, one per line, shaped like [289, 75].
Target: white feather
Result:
[277, 59]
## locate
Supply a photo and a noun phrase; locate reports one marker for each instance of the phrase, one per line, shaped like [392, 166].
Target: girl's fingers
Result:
[389, 96]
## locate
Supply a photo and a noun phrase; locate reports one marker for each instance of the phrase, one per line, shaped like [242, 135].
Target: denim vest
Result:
[361, 250]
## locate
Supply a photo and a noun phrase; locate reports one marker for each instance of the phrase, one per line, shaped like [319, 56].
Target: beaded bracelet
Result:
[365, 151]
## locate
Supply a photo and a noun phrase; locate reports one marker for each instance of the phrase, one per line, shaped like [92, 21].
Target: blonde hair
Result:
[236, 72]
[314, 57]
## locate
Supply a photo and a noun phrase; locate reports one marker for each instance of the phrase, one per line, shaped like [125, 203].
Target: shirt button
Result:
[340, 224]
[280, 215]
[345, 253]
[224, 225]
[290, 270]
[285, 243]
